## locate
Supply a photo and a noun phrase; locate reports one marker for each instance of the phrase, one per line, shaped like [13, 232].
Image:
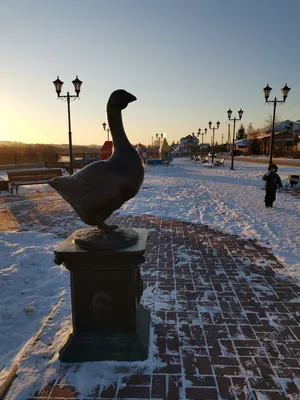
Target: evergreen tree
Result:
[241, 133]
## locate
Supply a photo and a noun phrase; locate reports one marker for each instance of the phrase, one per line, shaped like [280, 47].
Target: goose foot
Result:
[105, 237]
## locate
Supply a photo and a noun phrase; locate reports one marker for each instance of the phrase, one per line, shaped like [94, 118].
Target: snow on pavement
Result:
[231, 201]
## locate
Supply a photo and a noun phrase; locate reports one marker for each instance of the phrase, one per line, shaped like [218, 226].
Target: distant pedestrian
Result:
[272, 182]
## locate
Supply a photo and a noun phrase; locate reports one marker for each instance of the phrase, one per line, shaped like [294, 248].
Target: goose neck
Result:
[114, 117]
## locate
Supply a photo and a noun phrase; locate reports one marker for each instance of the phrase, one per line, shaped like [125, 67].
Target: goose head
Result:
[120, 99]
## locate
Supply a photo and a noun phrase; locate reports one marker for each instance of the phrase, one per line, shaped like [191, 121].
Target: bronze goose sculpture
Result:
[102, 187]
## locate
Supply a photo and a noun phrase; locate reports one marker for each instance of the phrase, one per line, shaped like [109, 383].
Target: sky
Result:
[186, 61]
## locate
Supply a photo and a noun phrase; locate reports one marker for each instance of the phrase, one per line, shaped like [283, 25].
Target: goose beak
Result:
[131, 98]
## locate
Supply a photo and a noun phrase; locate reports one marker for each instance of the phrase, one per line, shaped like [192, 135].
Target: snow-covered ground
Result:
[33, 289]
[231, 201]
[266, 159]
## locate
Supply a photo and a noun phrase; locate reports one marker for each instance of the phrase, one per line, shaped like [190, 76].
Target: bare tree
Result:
[269, 120]
[252, 133]
[250, 129]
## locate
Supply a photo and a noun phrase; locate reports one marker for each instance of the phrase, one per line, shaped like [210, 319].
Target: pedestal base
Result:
[106, 287]
[116, 346]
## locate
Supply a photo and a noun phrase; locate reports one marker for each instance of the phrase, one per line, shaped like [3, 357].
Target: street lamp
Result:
[228, 138]
[267, 90]
[106, 130]
[213, 138]
[58, 85]
[191, 145]
[202, 133]
[229, 113]
[159, 136]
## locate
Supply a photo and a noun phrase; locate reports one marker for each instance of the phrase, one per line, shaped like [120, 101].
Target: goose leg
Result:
[106, 228]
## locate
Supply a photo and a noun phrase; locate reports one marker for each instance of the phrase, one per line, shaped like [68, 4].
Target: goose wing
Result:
[98, 174]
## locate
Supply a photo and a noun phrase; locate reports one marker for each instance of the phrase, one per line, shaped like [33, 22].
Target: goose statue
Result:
[102, 187]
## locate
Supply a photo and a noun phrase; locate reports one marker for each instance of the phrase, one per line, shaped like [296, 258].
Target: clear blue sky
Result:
[187, 62]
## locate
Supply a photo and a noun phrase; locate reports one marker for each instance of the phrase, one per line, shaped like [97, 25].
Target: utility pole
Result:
[222, 142]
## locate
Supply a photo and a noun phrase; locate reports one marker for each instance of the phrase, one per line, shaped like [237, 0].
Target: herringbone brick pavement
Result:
[226, 323]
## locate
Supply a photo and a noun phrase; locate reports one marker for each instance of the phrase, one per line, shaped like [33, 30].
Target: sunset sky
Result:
[186, 61]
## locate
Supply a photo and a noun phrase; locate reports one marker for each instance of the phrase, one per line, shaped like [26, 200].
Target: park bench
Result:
[66, 165]
[154, 161]
[77, 165]
[56, 164]
[20, 177]
[293, 180]
[218, 163]
[80, 164]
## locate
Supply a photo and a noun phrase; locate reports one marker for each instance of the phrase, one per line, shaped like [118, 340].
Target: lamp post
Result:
[158, 137]
[191, 142]
[58, 85]
[202, 134]
[267, 90]
[106, 130]
[213, 138]
[228, 138]
[229, 113]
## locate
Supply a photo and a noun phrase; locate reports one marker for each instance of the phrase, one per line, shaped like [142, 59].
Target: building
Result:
[286, 136]
[242, 145]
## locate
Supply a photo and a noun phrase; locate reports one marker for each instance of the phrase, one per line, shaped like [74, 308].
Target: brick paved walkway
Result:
[228, 326]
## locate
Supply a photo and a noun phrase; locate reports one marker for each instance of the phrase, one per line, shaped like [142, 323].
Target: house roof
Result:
[189, 139]
[287, 135]
[282, 126]
[242, 142]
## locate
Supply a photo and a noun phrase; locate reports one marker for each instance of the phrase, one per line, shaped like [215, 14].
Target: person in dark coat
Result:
[272, 182]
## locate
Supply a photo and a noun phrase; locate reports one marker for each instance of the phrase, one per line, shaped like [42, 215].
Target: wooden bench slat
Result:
[39, 176]
[20, 172]
[56, 164]
[19, 183]
[32, 179]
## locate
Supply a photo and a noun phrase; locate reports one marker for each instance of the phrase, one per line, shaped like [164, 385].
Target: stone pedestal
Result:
[106, 286]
